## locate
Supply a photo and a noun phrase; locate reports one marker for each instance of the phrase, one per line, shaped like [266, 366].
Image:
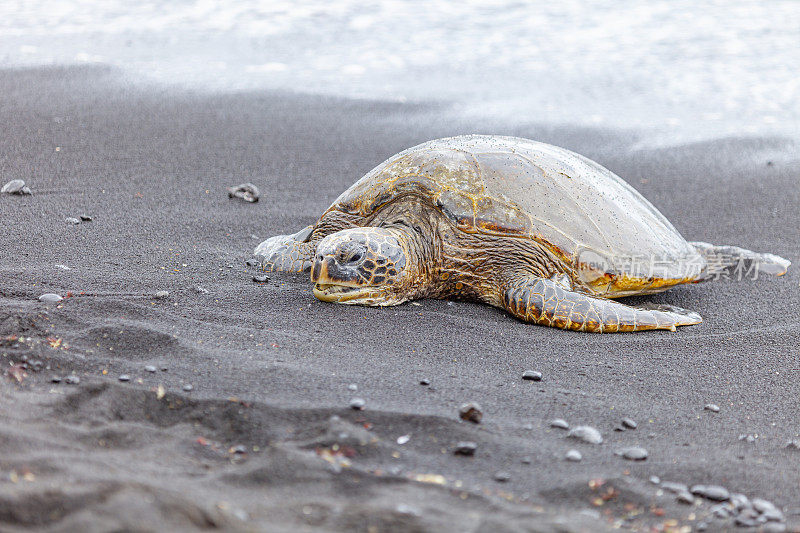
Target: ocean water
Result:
[676, 70]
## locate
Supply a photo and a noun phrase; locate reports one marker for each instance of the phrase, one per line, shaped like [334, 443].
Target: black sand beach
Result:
[265, 439]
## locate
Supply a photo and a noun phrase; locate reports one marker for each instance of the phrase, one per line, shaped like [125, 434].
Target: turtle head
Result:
[367, 266]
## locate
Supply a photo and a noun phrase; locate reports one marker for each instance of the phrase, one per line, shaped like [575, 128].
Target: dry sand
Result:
[271, 367]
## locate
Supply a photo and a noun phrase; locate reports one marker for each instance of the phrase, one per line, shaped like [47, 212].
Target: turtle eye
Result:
[356, 257]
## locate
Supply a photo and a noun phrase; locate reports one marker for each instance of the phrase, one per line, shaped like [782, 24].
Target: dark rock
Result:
[502, 477]
[424, 382]
[124, 377]
[586, 434]
[629, 423]
[559, 423]
[633, 453]
[86, 218]
[261, 278]
[55, 379]
[532, 375]
[711, 492]
[712, 407]
[471, 412]
[150, 368]
[465, 448]
[357, 403]
[246, 191]
[573, 455]
[72, 380]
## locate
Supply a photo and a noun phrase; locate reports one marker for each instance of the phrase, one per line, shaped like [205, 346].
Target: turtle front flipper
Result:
[738, 263]
[288, 253]
[545, 302]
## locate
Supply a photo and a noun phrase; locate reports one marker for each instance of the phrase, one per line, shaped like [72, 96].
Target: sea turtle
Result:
[537, 230]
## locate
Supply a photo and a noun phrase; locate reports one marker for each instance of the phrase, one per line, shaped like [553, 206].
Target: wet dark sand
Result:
[270, 366]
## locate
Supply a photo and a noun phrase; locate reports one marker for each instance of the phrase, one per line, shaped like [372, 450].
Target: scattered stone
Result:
[465, 448]
[353, 387]
[15, 187]
[532, 375]
[747, 518]
[72, 220]
[655, 480]
[721, 511]
[72, 380]
[559, 423]
[358, 404]
[403, 439]
[124, 377]
[63, 267]
[702, 526]
[239, 449]
[246, 191]
[573, 455]
[748, 438]
[502, 477]
[164, 368]
[161, 294]
[740, 501]
[200, 290]
[261, 278]
[714, 408]
[527, 426]
[685, 496]
[252, 262]
[793, 445]
[471, 412]
[188, 387]
[424, 382]
[55, 379]
[675, 488]
[633, 453]
[711, 492]
[150, 368]
[629, 423]
[586, 434]
[86, 218]
[526, 460]
[50, 298]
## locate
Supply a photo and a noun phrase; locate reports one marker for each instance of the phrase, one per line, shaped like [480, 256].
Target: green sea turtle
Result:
[537, 230]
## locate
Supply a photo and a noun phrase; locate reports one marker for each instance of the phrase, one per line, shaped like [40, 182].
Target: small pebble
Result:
[246, 191]
[403, 439]
[353, 387]
[655, 480]
[150, 368]
[424, 382]
[188, 387]
[164, 368]
[629, 423]
[15, 187]
[252, 262]
[471, 412]
[357, 404]
[261, 278]
[200, 290]
[712, 407]
[465, 448]
[527, 426]
[721, 511]
[633, 453]
[673, 487]
[72, 380]
[161, 294]
[748, 438]
[86, 218]
[711, 492]
[502, 477]
[586, 434]
[124, 377]
[740, 501]
[50, 298]
[573, 455]
[559, 423]
[526, 460]
[793, 445]
[55, 379]
[532, 375]
[685, 496]
[72, 220]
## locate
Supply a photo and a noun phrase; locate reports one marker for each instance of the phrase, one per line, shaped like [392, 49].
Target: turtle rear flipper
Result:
[287, 253]
[547, 303]
[738, 263]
